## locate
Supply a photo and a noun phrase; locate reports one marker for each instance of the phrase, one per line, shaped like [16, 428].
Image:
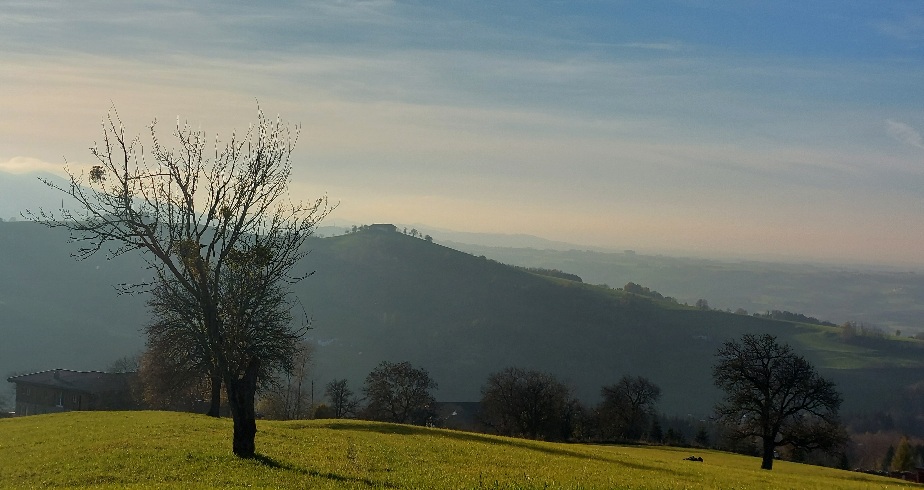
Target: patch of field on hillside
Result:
[175, 450]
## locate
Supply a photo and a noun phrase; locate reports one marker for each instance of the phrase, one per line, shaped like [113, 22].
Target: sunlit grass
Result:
[835, 354]
[159, 449]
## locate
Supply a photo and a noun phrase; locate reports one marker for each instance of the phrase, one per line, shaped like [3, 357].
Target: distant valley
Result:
[885, 297]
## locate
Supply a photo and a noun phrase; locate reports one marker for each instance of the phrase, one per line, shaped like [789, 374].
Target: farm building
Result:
[63, 390]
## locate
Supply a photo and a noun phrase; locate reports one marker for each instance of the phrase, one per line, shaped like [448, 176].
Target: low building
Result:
[63, 390]
[459, 416]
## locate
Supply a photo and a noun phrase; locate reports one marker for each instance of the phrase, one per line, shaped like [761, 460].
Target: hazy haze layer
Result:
[758, 127]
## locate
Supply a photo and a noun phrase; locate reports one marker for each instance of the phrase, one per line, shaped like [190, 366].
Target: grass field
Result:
[173, 450]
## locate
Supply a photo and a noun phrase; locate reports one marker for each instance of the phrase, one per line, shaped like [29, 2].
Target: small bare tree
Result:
[628, 407]
[206, 223]
[125, 364]
[288, 393]
[343, 403]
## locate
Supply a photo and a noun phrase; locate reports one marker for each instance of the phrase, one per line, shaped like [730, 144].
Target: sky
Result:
[743, 128]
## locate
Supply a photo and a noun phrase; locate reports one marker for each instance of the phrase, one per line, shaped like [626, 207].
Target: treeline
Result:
[860, 333]
[851, 332]
[640, 290]
[388, 227]
[551, 273]
[515, 402]
[793, 317]
[530, 404]
[906, 457]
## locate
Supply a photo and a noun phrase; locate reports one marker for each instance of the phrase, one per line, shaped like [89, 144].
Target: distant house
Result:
[63, 390]
[459, 416]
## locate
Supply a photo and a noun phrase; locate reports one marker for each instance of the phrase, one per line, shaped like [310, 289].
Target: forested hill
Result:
[389, 296]
[379, 295]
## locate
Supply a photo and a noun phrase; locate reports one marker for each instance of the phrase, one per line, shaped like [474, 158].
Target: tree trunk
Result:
[215, 403]
[218, 365]
[769, 449]
[241, 400]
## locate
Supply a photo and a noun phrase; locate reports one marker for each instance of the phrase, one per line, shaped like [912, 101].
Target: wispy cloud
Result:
[907, 28]
[905, 133]
[24, 165]
[654, 46]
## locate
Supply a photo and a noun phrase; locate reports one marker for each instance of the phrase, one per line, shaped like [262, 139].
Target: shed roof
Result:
[85, 381]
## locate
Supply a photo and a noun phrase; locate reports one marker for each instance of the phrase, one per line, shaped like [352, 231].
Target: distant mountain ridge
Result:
[878, 296]
[887, 297]
[21, 192]
[387, 296]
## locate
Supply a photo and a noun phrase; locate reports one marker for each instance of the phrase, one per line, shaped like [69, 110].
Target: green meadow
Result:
[177, 450]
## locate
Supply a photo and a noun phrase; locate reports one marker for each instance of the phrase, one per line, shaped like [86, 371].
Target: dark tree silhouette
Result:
[166, 385]
[628, 407]
[526, 403]
[196, 219]
[776, 395]
[399, 392]
[256, 324]
[125, 364]
[343, 403]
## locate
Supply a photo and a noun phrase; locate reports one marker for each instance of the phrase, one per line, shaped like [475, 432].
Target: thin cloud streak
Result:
[26, 165]
[905, 134]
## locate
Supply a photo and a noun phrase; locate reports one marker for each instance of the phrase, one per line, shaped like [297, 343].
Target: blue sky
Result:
[726, 128]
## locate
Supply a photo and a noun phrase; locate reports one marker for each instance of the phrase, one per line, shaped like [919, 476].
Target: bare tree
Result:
[125, 364]
[287, 395]
[526, 403]
[399, 392]
[166, 385]
[775, 395]
[343, 403]
[628, 407]
[256, 320]
[192, 216]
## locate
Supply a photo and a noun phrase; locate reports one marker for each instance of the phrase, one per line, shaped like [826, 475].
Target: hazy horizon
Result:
[20, 192]
[739, 129]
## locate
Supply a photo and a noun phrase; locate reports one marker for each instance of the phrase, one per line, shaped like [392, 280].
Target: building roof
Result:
[85, 381]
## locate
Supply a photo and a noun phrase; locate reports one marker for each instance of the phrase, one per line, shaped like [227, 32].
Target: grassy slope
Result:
[160, 449]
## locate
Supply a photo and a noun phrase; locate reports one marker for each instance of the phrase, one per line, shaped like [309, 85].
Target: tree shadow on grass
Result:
[270, 462]
[397, 429]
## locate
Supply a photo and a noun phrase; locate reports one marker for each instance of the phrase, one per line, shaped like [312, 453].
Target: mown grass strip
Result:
[174, 450]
